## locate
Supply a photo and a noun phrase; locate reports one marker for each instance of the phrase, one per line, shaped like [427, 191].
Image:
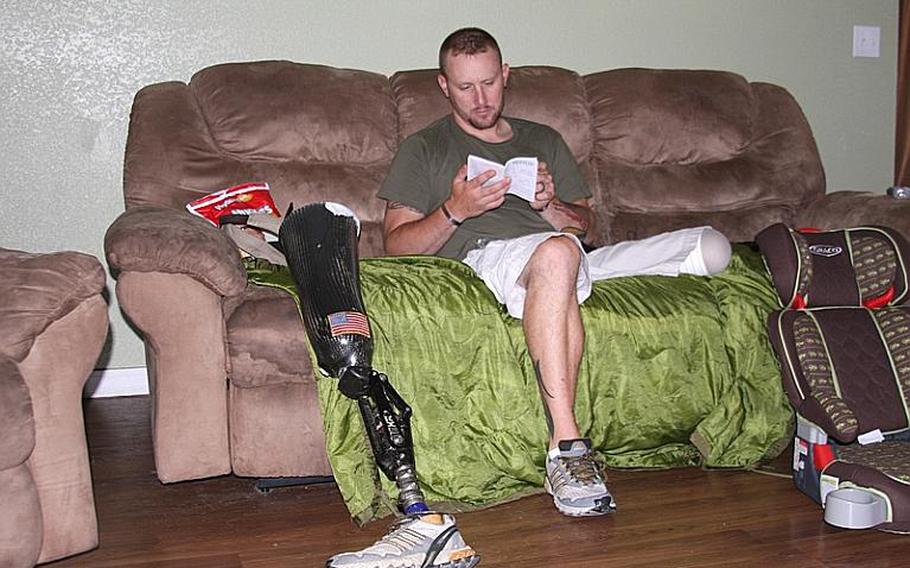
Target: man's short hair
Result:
[467, 41]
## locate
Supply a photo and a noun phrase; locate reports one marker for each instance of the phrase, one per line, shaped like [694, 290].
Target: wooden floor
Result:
[684, 517]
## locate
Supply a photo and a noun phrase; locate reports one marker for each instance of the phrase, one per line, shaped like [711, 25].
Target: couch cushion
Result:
[266, 421]
[299, 183]
[39, 289]
[313, 133]
[739, 225]
[703, 144]
[660, 116]
[419, 100]
[278, 110]
[16, 421]
[266, 340]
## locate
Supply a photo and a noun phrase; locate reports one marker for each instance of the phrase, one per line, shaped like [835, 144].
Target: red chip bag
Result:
[244, 199]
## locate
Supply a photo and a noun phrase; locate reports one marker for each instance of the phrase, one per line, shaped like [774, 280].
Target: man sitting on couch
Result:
[529, 254]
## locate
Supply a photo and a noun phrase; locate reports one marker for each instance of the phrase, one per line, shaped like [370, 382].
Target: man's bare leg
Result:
[555, 339]
[553, 331]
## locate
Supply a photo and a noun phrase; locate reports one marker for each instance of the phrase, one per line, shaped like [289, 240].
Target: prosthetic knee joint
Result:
[320, 243]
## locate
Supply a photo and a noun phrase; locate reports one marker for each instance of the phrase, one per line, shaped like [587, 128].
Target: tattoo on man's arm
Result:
[580, 221]
[544, 395]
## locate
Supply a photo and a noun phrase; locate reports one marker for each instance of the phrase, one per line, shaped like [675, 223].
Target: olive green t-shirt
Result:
[426, 163]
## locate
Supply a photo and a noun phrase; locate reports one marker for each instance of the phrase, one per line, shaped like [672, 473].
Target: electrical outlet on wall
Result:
[866, 41]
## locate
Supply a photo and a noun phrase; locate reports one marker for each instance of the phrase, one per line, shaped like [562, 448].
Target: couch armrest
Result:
[38, 289]
[174, 272]
[182, 324]
[152, 238]
[856, 208]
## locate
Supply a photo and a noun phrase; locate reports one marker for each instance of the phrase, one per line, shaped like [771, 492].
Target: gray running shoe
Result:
[413, 543]
[576, 480]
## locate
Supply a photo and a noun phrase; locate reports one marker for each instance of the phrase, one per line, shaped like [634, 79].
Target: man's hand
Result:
[469, 196]
[576, 218]
[545, 191]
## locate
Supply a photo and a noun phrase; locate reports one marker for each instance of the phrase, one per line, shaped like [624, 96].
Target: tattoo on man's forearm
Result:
[544, 395]
[581, 221]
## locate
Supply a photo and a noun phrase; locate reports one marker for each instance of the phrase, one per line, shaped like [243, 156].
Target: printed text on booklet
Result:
[522, 172]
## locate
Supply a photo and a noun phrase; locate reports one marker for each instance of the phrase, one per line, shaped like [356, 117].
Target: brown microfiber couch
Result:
[231, 382]
[53, 323]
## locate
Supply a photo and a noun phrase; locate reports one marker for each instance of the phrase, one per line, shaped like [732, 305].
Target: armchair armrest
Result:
[53, 324]
[16, 420]
[39, 289]
[20, 525]
[855, 208]
[152, 238]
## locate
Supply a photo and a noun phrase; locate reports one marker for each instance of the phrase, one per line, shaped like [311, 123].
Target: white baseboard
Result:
[106, 383]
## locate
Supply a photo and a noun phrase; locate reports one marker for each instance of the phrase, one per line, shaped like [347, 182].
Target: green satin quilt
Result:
[676, 372]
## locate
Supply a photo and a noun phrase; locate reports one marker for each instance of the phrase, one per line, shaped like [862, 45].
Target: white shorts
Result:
[500, 263]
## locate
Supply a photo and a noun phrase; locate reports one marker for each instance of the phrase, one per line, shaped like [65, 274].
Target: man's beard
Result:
[484, 123]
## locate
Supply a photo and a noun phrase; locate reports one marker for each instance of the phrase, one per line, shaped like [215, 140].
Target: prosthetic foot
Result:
[320, 243]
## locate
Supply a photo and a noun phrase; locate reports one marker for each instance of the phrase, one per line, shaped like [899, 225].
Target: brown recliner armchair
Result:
[53, 324]
[231, 382]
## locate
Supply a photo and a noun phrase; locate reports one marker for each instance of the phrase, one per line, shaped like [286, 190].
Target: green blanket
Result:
[676, 372]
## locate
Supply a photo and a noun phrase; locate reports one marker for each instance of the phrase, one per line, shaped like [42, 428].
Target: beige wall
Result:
[70, 67]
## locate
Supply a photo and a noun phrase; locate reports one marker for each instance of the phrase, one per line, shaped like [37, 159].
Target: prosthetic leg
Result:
[320, 243]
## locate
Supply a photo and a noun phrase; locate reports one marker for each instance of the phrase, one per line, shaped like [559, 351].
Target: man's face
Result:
[474, 85]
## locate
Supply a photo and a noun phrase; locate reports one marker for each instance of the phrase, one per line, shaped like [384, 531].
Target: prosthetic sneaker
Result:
[414, 542]
[576, 480]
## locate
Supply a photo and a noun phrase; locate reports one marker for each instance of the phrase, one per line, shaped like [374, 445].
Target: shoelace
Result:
[585, 469]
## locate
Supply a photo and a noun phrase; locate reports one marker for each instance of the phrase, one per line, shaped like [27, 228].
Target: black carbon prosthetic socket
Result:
[321, 249]
[320, 243]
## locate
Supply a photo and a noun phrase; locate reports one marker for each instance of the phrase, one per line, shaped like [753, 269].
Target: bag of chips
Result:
[244, 199]
[247, 215]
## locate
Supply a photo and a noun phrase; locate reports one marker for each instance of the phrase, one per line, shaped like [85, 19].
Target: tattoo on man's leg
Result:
[540, 384]
[544, 395]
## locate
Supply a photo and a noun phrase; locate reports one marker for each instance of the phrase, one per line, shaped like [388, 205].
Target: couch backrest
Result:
[314, 133]
[661, 149]
[676, 148]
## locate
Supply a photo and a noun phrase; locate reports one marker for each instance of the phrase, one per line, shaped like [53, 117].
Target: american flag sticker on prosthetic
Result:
[341, 323]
